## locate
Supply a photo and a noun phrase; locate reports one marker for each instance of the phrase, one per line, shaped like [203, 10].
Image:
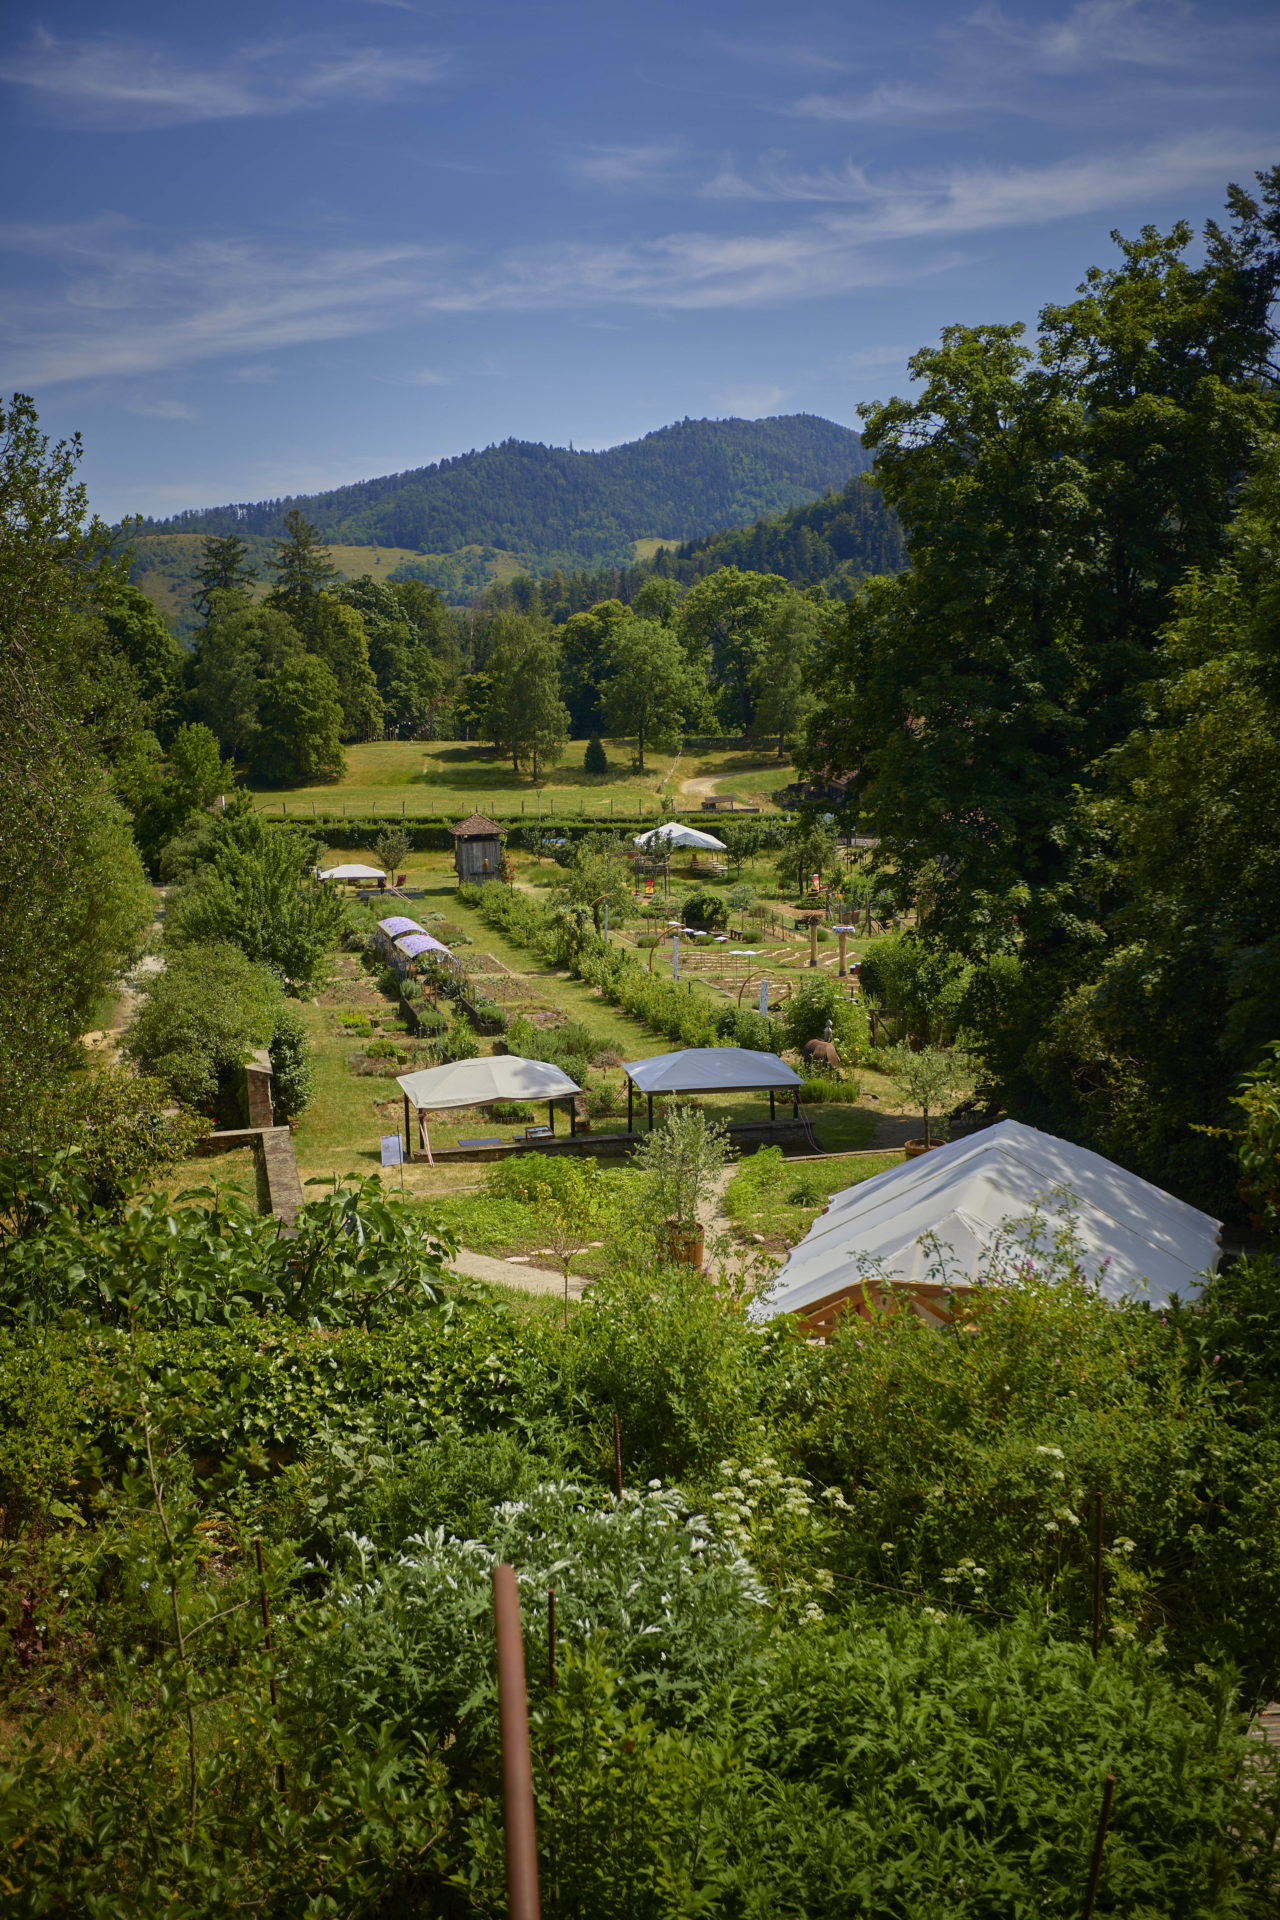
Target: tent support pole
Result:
[651, 1113]
[573, 1118]
[773, 1110]
[408, 1137]
[551, 1115]
[631, 1094]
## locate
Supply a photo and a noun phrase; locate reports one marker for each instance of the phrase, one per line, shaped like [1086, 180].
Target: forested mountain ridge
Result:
[832, 542]
[552, 506]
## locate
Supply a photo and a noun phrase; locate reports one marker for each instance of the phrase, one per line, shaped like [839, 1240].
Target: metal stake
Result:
[617, 1455]
[520, 1831]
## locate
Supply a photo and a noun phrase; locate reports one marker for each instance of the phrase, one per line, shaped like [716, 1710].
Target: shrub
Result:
[705, 910]
[817, 999]
[199, 1020]
[595, 759]
[460, 1042]
[826, 1092]
[469, 893]
[293, 1076]
[511, 1111]
[922, 987]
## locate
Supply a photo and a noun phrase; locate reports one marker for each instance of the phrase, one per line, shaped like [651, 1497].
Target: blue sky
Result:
[265, 249]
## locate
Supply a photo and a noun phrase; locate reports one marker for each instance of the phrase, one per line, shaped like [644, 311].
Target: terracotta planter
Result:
[914, 1148]
[682, 1246]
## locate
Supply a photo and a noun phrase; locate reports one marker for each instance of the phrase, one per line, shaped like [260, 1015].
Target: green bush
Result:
[825, 1092]
[709, 910]
[817, 999]
[469, 893]
[200, 1019]
[293, 1077]
[595, 759]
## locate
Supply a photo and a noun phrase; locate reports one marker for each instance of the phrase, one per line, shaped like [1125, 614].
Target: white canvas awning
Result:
[672, 834]
[710, 1070]
[352, 873]
[477, 1083]
[1142, 1242]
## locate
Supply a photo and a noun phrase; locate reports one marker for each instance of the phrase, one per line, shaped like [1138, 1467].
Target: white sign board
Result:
[392, 1150]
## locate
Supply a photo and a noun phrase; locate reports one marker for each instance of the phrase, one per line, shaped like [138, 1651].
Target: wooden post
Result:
[813, 940]
[519, 1830]
[617, 1455]
[842, 936]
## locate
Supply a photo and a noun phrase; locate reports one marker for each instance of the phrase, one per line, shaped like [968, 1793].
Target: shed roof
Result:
[985, 1189]
[474, 1083]
[477, 826]
[710, 1070]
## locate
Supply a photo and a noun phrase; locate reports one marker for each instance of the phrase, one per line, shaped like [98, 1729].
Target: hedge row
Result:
[667, 1006]
[433, 836]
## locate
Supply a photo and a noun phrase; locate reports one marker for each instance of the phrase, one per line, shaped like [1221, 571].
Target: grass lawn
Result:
[451, 776]
[780, 1199]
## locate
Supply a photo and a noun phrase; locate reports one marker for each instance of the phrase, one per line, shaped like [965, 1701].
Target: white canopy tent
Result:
[352, 873]
[478, 1083]
[709, 1070]
[673, 834]
[985, 1189]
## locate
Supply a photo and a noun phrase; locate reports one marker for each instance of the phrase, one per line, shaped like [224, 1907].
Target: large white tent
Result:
[673, 834]
[477, 1083]
[352, 873]
[710, 1070]
[955, 1203]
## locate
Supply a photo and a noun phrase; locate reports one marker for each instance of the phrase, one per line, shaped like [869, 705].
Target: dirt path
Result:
[702, 786]
[512, 1273]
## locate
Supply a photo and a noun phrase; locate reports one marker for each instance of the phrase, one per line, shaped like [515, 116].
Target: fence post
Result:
[519, 1830]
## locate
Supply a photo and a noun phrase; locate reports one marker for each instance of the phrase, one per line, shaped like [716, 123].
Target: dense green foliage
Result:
[1088, 597]
[832, 543]
[554, 506]
[850, 1609]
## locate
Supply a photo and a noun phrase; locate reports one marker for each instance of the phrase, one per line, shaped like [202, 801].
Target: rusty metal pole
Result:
[551, 1684]
[1095, 1865]
[617, 1455]
[1097, 1574]
[517, 1764]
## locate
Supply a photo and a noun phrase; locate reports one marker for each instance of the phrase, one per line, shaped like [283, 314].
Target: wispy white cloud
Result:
[428, 377]
[159, 409]
[1116, 54]
[641, 165]
[251, 376]
[123, 305]
[750, 402]
[1096, 33]
[122, 83]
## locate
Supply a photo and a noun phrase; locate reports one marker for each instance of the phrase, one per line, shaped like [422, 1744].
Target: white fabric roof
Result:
[474, 1083]
[710, 1070]
[987, 1187]
[672, 834]
[354, 873]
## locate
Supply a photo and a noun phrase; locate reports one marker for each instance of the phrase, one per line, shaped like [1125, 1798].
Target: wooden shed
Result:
[477, 848]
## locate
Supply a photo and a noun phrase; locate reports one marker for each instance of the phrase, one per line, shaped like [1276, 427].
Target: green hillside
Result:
[554, 507]
[831, 542]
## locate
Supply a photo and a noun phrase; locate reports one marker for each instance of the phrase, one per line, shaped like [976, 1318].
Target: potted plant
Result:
[679, 1161]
